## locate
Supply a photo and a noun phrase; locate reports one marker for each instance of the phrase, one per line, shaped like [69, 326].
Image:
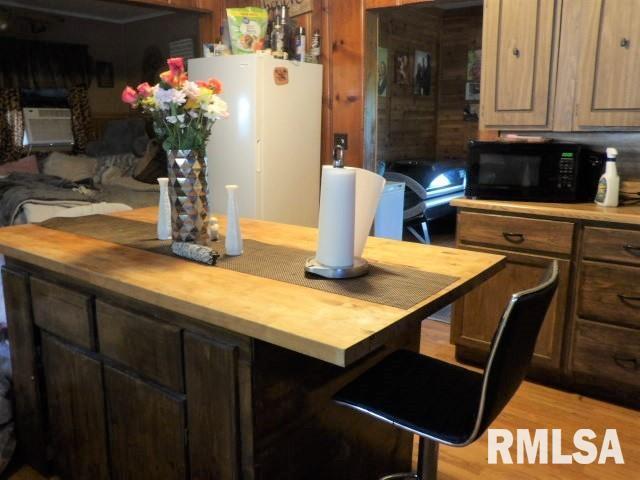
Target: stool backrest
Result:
[512, 348]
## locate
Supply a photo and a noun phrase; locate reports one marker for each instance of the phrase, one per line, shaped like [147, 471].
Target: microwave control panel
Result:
[566, 174]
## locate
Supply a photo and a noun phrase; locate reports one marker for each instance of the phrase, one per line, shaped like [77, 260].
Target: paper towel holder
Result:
[359, 268]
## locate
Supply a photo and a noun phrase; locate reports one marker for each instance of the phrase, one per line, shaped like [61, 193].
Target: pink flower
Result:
[129, 95]
[176, 65]
[144, 90]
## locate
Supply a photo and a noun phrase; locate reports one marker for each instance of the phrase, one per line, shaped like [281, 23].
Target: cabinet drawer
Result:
[150, 348]
[610, 293]
[612, 245]
[63, 312]
[608, 355]
[516, 232]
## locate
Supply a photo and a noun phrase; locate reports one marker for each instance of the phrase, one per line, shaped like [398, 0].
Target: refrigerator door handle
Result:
[259, 152]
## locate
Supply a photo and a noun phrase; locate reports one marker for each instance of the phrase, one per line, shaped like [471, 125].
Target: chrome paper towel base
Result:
[359, 268]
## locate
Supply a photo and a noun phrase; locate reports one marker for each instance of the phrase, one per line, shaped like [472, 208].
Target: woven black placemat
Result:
[393, 285]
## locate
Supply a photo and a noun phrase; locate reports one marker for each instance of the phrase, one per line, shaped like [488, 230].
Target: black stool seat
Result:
[418, 393]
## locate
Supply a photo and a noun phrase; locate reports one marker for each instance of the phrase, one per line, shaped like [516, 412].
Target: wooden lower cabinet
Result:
[589, 339]
[146, 429]
[76, 412]
[478, 313]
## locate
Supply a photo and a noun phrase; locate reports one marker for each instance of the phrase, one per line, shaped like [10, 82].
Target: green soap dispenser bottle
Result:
[609, 185]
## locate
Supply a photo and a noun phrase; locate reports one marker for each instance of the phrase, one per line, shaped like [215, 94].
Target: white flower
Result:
[191, 89]
[172, 119]
[193, 113]
[163, 98]
[178, 96]
[181, 118]
[216, 109]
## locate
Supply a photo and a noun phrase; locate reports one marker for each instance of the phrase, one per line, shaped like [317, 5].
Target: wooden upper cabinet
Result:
[392, 3]
[608, 93]
[517, 68]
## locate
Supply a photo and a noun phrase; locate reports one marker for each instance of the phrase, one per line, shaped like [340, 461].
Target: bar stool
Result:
[447, 404]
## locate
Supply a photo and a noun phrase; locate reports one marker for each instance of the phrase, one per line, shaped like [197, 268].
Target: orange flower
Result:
[175, 80]
[215, 85]
[212, 84]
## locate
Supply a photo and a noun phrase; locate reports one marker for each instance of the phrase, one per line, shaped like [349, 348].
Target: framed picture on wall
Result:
[474, 65]
[383, 71]
[472, 92]
[104, 74]
[402, 68]
[422, 73]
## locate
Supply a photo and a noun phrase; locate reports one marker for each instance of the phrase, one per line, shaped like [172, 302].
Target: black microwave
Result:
[538, 172]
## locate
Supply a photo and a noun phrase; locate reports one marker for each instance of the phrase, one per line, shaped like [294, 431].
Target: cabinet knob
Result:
[628, 363]
[625, 43]
[513, 237]
[632, 249]
[629, 300]
[516, 52]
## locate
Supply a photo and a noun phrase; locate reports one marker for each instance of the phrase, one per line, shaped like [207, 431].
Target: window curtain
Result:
[80, 117]
[11, 125]
[35, 65]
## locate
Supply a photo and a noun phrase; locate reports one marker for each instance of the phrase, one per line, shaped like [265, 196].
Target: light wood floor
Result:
[534, 406]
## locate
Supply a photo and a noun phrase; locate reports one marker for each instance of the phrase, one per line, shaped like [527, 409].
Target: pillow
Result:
[26, 165]
[70, 167]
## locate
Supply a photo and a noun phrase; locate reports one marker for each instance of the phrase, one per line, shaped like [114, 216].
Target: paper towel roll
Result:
[337, 217]
[369, 188]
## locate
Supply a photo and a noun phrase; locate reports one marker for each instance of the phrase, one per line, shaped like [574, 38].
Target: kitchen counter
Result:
[181, 370]
[322, 325]
[576, 211]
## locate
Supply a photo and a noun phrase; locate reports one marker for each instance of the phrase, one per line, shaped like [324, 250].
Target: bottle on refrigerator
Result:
[287, 31]
[315, 46]
[301, 44]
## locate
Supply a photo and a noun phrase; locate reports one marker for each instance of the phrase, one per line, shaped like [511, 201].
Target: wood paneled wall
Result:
[461, 31]
[407, 123]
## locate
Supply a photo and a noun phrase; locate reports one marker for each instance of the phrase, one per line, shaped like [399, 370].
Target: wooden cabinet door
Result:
[478, 313]
[29, 410]
[76, 411]
[608, 93]
[517, 66]
[147, 429]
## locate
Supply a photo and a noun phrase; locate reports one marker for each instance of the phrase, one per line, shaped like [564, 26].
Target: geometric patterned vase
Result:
[188, 190]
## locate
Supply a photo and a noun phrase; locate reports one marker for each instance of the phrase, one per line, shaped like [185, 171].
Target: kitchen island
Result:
[133, 364]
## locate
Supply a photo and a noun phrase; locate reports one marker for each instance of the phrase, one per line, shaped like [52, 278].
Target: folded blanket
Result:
[18, 188]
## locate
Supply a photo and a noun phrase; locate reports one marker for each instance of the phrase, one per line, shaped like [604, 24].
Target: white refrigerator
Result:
[270, 144]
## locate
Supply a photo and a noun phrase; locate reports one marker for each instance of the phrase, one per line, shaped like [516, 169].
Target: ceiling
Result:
[99, 10]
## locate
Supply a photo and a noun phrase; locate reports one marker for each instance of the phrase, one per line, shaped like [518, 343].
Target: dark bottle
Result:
[287, 31]
[267, 37]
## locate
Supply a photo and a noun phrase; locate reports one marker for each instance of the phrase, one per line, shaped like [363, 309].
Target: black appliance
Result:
[539, 172]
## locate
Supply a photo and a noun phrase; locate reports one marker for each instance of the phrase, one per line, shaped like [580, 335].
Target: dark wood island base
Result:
[108, 387]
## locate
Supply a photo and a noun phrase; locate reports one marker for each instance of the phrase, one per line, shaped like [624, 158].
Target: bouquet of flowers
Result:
[183, 112]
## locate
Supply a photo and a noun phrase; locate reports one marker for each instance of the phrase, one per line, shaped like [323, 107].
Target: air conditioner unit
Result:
[49, 127]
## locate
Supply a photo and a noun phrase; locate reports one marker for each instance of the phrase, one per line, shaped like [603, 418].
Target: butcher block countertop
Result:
[326, 326]
[574, 211]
